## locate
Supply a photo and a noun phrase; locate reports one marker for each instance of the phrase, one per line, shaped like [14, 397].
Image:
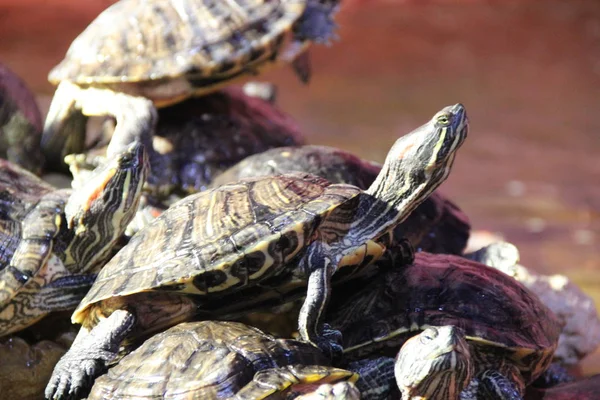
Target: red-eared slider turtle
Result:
[265, 233]
[437, 225]
[507, 328]
[216, 360]
[201, 137]
[137, 55]
[20, 123]
[575, 309]
[54, 240]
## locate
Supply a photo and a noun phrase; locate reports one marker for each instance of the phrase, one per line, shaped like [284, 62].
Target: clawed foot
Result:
[72, 378]
[330, 343]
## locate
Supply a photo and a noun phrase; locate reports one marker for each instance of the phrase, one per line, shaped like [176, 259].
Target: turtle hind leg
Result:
[64, 128]
[491, 385]
[87, 358]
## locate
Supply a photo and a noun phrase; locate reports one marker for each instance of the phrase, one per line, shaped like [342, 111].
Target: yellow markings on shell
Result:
[8, 313]
[269, 261]
[209, 215]
[359, 254]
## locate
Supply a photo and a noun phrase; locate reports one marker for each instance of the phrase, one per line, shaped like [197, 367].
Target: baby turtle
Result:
[216, 360]
[508, 330]
[137, 55]
[20, 123]
[54, 240]
[437, 225]
[269, 233]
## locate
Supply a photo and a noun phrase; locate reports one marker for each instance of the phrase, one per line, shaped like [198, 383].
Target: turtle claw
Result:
[72, 377]
[330, 343]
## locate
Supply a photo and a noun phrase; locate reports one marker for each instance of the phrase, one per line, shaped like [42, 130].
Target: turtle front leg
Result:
[65, 126]
[318, 291]
[136, 119]
[88, 357]
[491, 385]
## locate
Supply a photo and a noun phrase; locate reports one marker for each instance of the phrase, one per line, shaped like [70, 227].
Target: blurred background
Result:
[527, 71]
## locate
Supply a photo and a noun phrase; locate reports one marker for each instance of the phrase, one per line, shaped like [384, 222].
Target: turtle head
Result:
[100, 210]
[421, 160]
[434, 364]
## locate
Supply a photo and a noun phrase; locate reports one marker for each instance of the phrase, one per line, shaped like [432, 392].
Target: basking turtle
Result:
[54, 240]
[575, 310]
[437, 225]
[508, 329]
[216, 360]
[271, 233]
[20, 123]
[136, 56]
[201, 137]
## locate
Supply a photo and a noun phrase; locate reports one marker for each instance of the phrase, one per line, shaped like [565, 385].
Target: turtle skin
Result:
[216, 360]
[54, 240]
[505, 323]
[437, 225]
[20, 123]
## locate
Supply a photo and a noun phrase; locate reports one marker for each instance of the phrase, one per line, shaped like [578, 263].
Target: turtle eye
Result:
[443, 119]
[428, 335]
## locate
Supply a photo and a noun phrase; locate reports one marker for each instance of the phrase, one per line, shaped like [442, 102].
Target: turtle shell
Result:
[493, 309]
[137, 40]
[20, 190]
[437, 225]
[201, 360]
[222, 240]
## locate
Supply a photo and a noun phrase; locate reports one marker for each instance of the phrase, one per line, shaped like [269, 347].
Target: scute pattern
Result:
[201, 360]
[221, 240]
[141, 40]
[493, 309]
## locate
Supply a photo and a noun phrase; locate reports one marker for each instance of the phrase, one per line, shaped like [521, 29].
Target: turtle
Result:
[575, 309]
[216, 360]
[437, 225]
[20, 123]
[270, 233]
[55, 240]
[136, 56]
[201, 137]
[509, 331]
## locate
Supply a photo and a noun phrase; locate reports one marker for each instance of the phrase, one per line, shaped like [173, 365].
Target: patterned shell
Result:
[201, 360]
[142, 40]
[20, 190]
[221, 240]
[436, 290]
